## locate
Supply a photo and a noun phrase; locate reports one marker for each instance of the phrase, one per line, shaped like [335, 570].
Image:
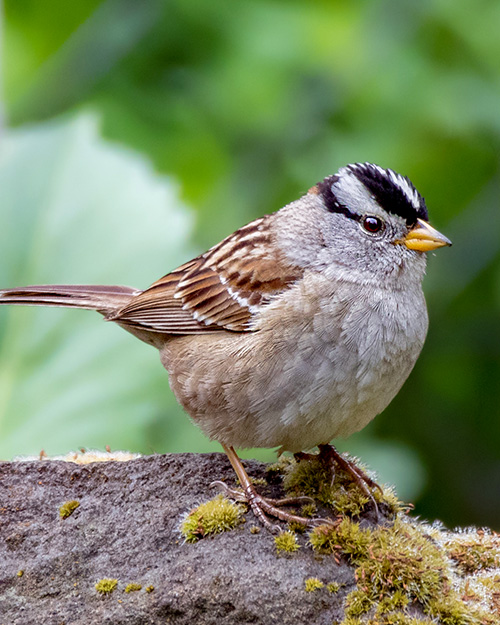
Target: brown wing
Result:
[220, 290]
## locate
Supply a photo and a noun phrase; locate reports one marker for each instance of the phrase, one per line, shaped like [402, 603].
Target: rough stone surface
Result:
[127, 527]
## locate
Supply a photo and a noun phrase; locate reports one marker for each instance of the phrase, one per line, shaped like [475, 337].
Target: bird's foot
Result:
[265, 507]
[330, 457]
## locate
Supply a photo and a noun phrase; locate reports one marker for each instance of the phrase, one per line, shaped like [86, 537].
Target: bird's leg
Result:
[261, 506]
[329, 455]
[302, 455]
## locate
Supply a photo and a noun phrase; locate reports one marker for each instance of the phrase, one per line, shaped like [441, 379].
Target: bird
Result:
[297, 329]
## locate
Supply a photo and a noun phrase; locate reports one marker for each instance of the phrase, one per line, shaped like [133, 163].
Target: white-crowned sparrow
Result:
[298, 328]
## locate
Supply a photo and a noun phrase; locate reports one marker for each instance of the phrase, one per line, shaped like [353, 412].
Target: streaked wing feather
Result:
[220, 290]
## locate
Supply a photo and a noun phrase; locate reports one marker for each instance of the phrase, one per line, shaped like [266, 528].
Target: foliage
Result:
[73, 211]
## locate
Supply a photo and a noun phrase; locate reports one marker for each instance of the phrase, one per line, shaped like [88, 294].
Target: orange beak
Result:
[424, 238]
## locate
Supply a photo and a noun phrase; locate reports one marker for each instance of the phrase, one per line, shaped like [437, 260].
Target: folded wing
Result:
[220, 290]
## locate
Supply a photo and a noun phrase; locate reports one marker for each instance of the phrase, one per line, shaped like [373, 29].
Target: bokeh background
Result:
[136, 134]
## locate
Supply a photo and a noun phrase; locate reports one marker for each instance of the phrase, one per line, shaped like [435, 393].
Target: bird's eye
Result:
[372, 224]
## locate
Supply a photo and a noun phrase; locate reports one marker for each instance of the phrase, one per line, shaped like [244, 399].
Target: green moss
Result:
[255, 529]
[314, 479]
[309, 510]
[20, 573]
[345, 538]
[132, 587]
[389, 499]
[286, 542]
[451, 610]
[212, 517]
[279, 467]
[297, 528]
[399, 618]
[395, 566]
[68, 508]
[106, 586]
[259, 481]
[313, 583]
[323, 538]
[351, 501]
[311, 478]
[402, 559]
[402, 568]
[333, 587]
[398, 600]
[149, 588]
[357, 603]
[475, 552]
[487, 596]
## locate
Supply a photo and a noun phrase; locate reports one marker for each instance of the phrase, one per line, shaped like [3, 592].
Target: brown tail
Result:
[104, 299]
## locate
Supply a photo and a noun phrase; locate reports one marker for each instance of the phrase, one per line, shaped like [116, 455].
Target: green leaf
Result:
[76, 209]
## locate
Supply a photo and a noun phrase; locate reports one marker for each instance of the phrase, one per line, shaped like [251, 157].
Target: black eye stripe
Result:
[331, 201]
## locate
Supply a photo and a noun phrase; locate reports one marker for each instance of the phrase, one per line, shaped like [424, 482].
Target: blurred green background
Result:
[136, 134]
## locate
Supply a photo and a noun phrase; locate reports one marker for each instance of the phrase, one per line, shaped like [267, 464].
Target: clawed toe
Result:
[291, 501]
[232, 493]
[264, 507]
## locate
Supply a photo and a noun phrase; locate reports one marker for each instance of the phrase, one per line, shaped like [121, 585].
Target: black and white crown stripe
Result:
[392, 191]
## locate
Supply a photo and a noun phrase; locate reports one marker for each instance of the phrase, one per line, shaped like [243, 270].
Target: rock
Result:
[126, 527]
[100, 543]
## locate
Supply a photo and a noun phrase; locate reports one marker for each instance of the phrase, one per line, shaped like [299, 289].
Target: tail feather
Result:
[105, 299]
